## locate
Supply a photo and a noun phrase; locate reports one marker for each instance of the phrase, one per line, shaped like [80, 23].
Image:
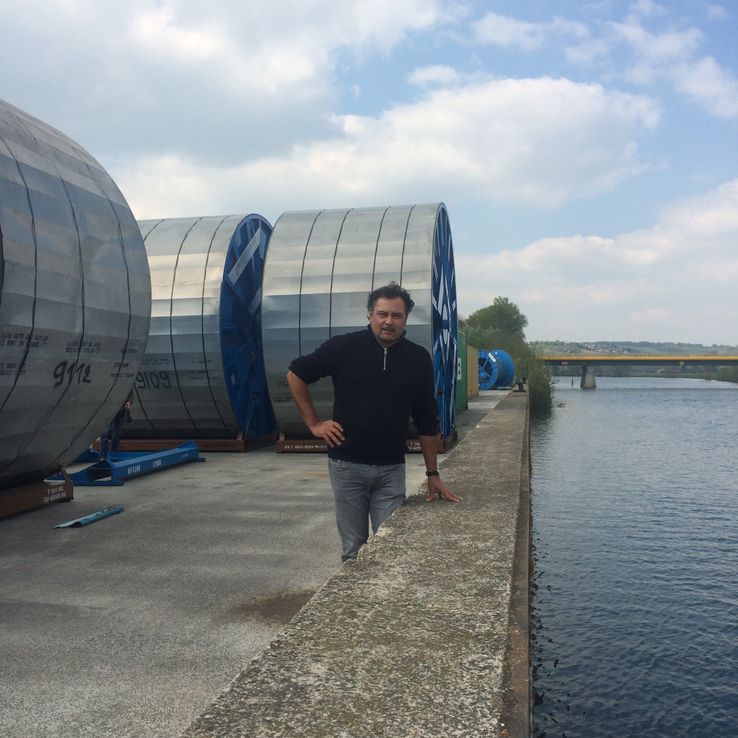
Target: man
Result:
[380, 379]
[110, 438]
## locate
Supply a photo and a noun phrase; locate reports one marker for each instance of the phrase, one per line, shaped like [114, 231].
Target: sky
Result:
[587, 152]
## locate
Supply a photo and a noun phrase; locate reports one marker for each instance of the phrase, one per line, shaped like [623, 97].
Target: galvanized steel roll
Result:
[74, 298]
[319, 271]
[203, 372]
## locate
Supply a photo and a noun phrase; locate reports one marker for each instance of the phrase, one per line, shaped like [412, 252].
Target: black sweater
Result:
[375, 391]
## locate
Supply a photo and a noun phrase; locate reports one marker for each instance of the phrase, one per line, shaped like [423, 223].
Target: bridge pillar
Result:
[588, 378]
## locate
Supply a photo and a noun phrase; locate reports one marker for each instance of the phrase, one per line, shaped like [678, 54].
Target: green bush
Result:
[540, 388]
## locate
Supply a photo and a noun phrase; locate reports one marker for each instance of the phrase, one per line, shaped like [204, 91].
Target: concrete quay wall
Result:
[426, 633]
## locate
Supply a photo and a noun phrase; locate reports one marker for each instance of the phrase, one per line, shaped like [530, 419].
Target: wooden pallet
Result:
[239, 444]
[305, 445]
[37, 494]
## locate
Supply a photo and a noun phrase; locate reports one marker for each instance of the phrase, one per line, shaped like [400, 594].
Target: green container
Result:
[462, 403]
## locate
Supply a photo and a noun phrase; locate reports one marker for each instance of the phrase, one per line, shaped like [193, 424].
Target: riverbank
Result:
[426, 634]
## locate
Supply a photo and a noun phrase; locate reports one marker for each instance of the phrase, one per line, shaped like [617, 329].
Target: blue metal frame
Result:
[123, 465]
[106, 512]
[445, 349]
[240, 327]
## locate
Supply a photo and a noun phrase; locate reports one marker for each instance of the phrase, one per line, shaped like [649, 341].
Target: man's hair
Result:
[390, 292]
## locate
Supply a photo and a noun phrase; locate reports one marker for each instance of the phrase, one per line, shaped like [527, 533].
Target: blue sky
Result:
[587, 152]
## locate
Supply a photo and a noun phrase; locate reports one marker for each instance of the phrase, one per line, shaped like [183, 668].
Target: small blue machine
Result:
[496, 369]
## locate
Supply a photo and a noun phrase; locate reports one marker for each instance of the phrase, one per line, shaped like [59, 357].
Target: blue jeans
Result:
[363, 492]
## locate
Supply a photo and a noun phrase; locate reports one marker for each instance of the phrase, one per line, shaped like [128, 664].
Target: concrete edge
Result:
[517, 703]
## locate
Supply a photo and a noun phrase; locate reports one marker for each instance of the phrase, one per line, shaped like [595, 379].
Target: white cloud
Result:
[159, 31]
[502, 30]
[587, 52]
[199, 79]
[658, 48]
[717, 12]
[711, 219]
[646, 9]
[505, 31]
[706, 82]
[436, 74]
[672, 57]
[653, 316]
[540, 141]
[669, 56]
[675, 280]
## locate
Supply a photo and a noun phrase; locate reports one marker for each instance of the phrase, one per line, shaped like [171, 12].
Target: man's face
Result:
[388, 319]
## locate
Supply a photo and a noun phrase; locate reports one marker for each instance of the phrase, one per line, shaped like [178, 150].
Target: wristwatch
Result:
[432, 473]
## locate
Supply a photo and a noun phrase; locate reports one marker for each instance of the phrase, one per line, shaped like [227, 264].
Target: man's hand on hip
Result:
[330, 431]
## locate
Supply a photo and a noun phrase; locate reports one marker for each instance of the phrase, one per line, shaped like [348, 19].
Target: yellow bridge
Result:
[587, 361]
[637, 360]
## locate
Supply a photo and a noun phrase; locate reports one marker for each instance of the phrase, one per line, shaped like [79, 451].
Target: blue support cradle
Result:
[123, 465]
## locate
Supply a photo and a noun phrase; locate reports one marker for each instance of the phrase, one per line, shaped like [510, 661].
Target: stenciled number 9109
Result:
[153, 380]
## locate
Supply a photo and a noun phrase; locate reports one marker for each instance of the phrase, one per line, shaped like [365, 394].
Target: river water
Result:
[635, 535]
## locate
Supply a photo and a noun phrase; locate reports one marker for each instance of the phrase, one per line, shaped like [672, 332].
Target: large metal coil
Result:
[74, 298]
[320, 269]
[203, 372]
[496, 369]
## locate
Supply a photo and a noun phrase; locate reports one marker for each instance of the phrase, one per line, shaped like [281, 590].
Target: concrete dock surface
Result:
[425, 634]
[133, 625]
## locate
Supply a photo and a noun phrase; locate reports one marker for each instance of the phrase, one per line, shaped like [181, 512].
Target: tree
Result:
[501, 325]
[498, 326]
[502, 316]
